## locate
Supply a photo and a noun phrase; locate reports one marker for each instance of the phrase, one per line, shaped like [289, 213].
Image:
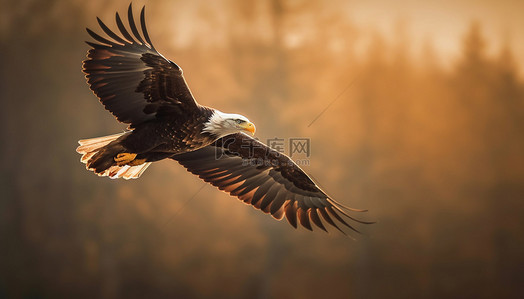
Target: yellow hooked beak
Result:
[249, 127]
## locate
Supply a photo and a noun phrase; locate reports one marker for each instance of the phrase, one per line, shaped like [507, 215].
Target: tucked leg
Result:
[137, 162]
[124, 158]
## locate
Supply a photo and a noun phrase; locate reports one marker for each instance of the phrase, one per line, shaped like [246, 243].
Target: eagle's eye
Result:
[239, 121]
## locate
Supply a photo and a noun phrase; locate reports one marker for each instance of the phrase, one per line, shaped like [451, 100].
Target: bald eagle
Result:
[148, 92]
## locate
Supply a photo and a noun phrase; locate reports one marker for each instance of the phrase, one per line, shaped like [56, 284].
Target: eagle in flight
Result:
[143, 89]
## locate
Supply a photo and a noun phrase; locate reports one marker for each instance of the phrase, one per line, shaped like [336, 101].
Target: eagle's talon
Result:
[137, 162]
[124, 158]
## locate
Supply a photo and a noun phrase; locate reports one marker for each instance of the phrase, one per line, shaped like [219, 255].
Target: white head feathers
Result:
[221, 124]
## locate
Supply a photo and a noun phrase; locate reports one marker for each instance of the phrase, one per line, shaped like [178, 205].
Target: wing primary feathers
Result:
[270, 195]
[278, 214]
[144, 28]
[99, 38]
[132, 24]
[225, 177]
[354, 219]
[316, 202]
[334, 214]
[218, 177]
[261, 191]
[213, 174]
[243, 186]
[234, 177]
[304, 218]
[329, 220]
[291, 213]
[306, 203]
[110, 33]
[97, 46]
[277, 203]
[123, 29]
[252, 184]
[314, 216]
[335, 203]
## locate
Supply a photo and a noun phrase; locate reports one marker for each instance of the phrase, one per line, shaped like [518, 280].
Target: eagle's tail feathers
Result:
[93, 144]
[126, 172]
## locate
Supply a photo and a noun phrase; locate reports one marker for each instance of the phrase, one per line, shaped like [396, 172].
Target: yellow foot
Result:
[124, 158]
[137, 162]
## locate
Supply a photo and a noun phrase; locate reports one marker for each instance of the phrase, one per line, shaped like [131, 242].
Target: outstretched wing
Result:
[266, 179]
[132, 80]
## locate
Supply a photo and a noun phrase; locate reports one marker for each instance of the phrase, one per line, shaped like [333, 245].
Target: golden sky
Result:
[444, 22]
[441, 24]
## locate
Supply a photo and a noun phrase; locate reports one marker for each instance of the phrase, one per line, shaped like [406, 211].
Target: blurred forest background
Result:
[426, 132]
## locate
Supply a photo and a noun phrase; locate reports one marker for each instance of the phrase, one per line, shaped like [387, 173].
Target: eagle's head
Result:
[221, 124]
